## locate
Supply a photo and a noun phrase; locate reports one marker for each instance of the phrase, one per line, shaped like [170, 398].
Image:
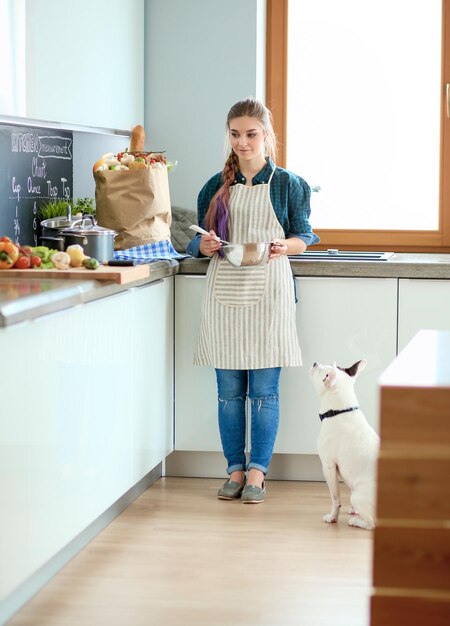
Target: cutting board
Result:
[119, 275]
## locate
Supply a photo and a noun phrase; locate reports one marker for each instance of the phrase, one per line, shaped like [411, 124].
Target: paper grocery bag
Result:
[134, 203]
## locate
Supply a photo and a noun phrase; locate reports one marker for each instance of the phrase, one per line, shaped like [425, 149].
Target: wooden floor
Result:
[179, 556]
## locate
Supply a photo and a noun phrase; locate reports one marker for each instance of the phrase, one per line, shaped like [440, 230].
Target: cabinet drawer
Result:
[388, 610]
[414, 416]
[414, 488]
[412, 558]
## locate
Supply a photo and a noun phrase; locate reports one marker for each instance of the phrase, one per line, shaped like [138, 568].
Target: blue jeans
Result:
[262, 385]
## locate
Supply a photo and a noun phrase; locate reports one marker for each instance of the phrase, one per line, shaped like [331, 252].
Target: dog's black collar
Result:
[333, 413]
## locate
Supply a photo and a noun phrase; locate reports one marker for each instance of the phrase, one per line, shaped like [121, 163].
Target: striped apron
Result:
[248, 313]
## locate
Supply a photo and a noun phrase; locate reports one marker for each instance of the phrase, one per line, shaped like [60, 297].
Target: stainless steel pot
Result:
[97, 242]
[52, 227]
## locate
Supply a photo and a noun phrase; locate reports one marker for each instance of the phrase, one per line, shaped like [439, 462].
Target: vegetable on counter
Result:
[23, 262]
[76, 253]
[9, 253]
[90, 263]
[27, 259]
[61, 260]
[35, 261]
[15, 256]
[45, 255]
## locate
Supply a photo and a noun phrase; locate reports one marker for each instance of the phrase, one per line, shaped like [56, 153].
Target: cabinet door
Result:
[423, 305]
[86, 413]
[342, 320]
[151, 360]
[196, 425]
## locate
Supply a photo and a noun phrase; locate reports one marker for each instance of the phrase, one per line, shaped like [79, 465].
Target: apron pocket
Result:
[240, 286]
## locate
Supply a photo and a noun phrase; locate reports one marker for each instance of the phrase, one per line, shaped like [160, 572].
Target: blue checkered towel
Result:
[150, 252]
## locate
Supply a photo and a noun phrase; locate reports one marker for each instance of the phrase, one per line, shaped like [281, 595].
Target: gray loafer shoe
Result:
[252, 494]
[231, 490]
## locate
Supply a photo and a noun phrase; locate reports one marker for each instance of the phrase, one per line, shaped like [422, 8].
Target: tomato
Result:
[35, 261]
[22, 263]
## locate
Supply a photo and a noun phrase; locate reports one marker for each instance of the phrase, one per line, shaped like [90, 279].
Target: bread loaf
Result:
[137, 139]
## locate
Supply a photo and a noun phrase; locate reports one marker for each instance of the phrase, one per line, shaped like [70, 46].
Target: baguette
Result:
[137, 139]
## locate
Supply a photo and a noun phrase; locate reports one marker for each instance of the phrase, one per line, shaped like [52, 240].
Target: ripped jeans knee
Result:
[258, 404]
[265, 419]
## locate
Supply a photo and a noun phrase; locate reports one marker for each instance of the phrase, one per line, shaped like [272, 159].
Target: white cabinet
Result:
[196, 425]
[339, 319]
[87, 397]
[152, 370]
[342, 320]
[73, 82]
[423, 304]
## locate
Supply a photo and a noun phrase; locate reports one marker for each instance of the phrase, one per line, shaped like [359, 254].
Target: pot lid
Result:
[95, 231]
[60, 222]
[88, 226]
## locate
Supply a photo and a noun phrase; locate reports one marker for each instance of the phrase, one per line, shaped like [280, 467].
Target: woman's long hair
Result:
[217, 215]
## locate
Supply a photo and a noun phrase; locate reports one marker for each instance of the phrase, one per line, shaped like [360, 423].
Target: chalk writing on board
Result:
[36, 166]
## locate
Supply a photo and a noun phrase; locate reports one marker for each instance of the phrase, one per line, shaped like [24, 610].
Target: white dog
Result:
[347, 444]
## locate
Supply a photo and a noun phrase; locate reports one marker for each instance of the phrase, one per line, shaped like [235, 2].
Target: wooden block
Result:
[413, 558]
[422, 610]
[119, 275]
[414, 488]
[415, 416]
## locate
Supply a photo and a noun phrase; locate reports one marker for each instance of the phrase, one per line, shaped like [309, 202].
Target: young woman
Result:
[248, 330]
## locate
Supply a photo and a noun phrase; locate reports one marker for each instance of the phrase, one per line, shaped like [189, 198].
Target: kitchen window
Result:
[359, 97]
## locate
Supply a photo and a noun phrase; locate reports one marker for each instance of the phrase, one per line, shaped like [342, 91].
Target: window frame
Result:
[276, 100]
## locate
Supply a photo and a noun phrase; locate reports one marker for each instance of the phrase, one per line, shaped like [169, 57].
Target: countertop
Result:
[400, 265]
[22, 299]
[27, 298]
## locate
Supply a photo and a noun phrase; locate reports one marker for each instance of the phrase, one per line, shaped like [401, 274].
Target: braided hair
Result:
[217, 215]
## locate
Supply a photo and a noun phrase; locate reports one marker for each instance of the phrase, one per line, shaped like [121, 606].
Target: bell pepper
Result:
[9, 253]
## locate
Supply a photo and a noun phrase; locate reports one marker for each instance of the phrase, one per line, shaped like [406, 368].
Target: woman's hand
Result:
[283, 247]
[209, 244]
[278, 248]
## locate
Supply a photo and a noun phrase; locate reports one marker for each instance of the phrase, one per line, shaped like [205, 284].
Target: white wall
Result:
[85, 62]
[87, 148]
[201, 56]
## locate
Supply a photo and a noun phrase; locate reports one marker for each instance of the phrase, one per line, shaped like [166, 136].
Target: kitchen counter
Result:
[400, 265]
[410, 549]
[23, 299]
[27, 298]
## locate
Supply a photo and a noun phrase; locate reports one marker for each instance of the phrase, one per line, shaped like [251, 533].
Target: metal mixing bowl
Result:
[246, 254]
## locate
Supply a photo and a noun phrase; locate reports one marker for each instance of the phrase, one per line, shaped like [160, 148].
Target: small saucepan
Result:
[96, 241]
[241, 254]
[53, 227]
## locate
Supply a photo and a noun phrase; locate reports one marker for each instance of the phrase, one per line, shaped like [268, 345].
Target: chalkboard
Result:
[36, 165]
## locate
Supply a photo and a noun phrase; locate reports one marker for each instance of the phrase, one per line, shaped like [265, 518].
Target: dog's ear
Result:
[330, 379]
[356, 368]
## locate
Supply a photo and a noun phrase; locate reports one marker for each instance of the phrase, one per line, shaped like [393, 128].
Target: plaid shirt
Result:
[290, 196]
